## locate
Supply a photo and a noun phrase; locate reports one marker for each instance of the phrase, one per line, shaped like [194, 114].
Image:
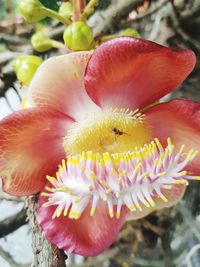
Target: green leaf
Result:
[52, 4]
[103, 4]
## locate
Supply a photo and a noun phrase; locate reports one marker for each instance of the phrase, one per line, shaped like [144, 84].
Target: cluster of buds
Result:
[77, 36]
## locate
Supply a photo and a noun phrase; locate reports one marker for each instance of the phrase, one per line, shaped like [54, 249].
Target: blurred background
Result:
[167, 238]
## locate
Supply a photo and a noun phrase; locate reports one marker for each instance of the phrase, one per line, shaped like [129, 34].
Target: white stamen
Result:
[132, 179]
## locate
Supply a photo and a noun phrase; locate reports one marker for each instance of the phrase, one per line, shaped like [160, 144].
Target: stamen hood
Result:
[133, 179]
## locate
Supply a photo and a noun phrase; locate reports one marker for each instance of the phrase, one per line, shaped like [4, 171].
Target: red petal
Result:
[30, 148]
[58, 83]
[87, 236]
[179, 120]
[132, 73]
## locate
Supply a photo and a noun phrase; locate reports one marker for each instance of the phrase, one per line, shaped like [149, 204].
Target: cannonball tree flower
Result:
[119, 156]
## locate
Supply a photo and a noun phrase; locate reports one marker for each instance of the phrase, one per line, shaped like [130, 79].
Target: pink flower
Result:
[120, 156]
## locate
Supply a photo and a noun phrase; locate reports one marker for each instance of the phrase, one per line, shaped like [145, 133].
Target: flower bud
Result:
[32, 10]
[78, 36]
[65, 10]
[129, 32]
[25, 68]
[41, 42]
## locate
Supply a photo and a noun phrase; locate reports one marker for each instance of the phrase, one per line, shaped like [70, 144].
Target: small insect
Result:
[117, 132]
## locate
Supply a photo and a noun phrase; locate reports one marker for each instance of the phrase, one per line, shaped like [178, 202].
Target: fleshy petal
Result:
[132, 73]
[179, 120]
[58, 84]
[173, 195]
[86, 236]
[31, 148]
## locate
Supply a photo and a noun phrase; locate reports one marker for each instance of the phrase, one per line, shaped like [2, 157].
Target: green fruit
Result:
[25, 68]
[41, 42]
[32, 10]
[78, 36]
[65, 10]
[129, 32]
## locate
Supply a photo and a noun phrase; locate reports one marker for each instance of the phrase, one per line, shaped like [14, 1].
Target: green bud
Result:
[78, 36]
[41, 42]
[32, 10]
[25, 68]
[65, 10]
[129, 32]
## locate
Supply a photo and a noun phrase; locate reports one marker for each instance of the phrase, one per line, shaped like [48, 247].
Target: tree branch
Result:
[45, 254]
[8, 258]
[12, 223]
[103, 20]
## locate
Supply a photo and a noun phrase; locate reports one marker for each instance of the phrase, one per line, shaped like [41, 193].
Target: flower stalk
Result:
[55, 15]
[78, 7]
[89, 9]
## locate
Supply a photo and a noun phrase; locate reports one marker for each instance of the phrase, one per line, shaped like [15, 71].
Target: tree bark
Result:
[45, 254]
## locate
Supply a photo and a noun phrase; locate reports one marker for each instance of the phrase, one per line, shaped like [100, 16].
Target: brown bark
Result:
[45, 254]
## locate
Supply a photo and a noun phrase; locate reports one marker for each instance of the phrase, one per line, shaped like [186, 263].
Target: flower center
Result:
[133, 179]
[113, 131]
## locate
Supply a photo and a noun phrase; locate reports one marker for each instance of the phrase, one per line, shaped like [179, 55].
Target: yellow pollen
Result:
[77, 200]
[139, 207]
[161, 174]
[167, 186]
[118, 214]
[152, 203]
[120, 180]
[102, 182]
[132, 207]
[92, 211]
[163, 198]
[108, 190]
[111, 213]
[183, 182]
[74, 215]
[117, 194]
[93, 176]
[113, 171]
[52, 179]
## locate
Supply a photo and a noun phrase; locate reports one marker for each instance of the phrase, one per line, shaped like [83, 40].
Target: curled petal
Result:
[58, 84]
[86, 236]
[173, 195]
[179, 120]
[132, 73]
[31, 148]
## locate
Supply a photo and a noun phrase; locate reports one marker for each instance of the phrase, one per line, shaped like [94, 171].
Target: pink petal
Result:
[132, 73]
[31, 148]
[179, 120]
[58, 84]
[86, 236]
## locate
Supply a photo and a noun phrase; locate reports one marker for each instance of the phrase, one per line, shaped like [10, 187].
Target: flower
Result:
[120, 154]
